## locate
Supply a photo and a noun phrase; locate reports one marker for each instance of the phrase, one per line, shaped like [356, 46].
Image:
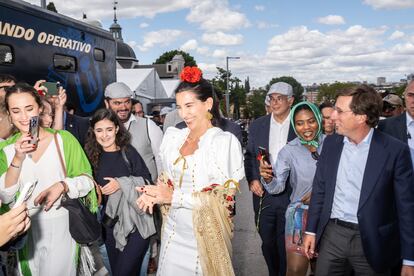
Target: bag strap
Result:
[125, 157]
[60, 154]
[97, 188]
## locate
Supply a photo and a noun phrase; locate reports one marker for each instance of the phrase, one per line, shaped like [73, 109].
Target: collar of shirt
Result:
[410, 119]
[365, 141]
[130, 120]
[274, 122]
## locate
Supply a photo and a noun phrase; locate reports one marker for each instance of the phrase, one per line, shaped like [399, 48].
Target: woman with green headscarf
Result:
[296, 161]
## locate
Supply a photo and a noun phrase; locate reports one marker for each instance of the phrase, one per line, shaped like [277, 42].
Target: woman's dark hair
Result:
[92, 148]
[299, 108]
[21, 88]
[203, 90]
[365, 101]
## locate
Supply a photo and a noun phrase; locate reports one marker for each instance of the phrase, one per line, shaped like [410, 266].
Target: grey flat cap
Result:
[281, 88]
[118, 90]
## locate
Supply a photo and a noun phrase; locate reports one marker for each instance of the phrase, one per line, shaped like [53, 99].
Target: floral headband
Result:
[191, 74]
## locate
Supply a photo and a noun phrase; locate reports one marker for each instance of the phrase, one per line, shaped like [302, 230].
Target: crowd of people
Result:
[332, 185]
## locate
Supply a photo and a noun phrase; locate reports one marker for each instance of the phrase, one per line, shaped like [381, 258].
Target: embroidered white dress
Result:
[51, 249]
[218, 158]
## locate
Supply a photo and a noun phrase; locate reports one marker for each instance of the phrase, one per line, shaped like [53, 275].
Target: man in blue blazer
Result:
[362, 207]
[272, 132]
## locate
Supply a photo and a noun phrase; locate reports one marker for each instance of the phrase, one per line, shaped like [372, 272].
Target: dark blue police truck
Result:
[39, 44]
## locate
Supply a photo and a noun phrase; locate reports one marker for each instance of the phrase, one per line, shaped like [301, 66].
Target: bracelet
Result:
[65, 186]
[14, 166]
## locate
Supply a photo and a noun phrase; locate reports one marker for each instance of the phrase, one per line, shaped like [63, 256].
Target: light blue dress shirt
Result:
[296, 161]
[410, 134]
[349, 179]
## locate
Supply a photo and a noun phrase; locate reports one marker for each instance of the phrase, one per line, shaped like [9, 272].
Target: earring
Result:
[209, 116]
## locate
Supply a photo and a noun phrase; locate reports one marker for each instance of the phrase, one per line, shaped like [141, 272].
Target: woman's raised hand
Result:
[265, 171]
[22, 147]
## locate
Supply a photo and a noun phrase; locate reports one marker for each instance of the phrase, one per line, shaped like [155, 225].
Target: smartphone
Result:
[34, 129]
[265, 155]
[25, 193]
[52, 88]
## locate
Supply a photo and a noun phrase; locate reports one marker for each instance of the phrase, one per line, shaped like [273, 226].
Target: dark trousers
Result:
[126, 262]
[341, 247]
[272, 230]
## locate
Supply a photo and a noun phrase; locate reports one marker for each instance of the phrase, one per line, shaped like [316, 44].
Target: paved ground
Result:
[247, 256]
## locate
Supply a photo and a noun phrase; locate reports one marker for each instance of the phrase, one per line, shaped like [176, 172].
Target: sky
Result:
[314, 41]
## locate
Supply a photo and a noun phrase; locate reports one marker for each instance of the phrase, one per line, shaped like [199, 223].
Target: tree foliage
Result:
[255, 106]
[167, 57]
[51, 7]
[327, 92]
[297, 86]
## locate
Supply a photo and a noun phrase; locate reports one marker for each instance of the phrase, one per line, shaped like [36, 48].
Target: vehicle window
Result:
[99, 54]
[6, 54]
[64, 63]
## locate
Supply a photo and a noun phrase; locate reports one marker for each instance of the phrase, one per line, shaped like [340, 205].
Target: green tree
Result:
[237, 91]
[255, 103]
[167, 57]
[399, 90]
[297, 86]
[327, 92]
[51, 7]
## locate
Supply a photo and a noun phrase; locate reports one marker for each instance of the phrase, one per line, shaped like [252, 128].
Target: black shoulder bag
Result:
[83, 224]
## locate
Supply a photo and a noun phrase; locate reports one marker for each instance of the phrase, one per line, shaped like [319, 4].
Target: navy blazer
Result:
[259, 131]
[395, 126]
[78, 126]
[386, 205]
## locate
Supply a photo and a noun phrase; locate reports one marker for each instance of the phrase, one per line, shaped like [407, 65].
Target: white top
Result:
[278, 135]
[47, 170]
[218, 158]
[155, 134]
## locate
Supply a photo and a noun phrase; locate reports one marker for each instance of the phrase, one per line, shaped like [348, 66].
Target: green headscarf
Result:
[318, 117]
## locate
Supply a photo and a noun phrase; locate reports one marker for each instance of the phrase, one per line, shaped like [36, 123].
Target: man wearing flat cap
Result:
[272, 132]
[392, 106]
[145, 135]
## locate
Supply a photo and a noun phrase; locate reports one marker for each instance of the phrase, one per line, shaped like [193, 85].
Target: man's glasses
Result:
[277, 99]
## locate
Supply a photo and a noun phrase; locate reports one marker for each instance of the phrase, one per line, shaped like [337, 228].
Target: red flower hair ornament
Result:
[191, 74]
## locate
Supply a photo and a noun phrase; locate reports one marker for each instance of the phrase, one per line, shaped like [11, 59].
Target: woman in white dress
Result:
[202, 166]
[50, 249]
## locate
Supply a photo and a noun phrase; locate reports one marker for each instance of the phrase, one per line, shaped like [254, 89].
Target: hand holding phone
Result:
[34, 130]
[25, 193]
[52, 88]
[265, 155]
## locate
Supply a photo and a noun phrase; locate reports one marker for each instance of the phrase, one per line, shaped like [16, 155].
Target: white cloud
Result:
[189, 45]
[265, 25]
[132, 43]
[222, 39]
[162, 37]
[143, 25]
[203, 50]
[332, 20]
[219, 53]
[356, 53]
[390, 4]
[98, 9]
[259, 8]
[214, 15]
[396, 35]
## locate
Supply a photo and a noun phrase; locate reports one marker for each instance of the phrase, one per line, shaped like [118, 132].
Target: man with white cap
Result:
[271, 132]
[146, 136]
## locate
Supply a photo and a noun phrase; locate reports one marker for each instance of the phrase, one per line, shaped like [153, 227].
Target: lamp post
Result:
[227, 85]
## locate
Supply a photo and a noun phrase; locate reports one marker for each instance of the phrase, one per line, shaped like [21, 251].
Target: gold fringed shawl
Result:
[213, 228]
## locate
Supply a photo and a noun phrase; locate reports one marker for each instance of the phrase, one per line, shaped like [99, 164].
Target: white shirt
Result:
[278, 135]
[155, 134]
